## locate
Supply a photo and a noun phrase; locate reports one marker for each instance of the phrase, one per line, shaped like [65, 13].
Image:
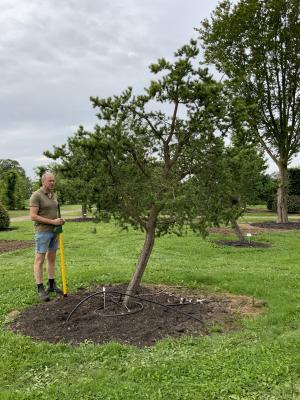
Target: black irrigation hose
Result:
[140, 304]
[135, 297]
[136, 310]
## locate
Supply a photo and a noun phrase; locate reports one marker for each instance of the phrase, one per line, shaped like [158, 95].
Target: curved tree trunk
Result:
[282, 194]
[142, 262]
[237, 230]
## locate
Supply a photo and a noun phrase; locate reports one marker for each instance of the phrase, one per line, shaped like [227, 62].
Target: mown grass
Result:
[68, 209]
[262, 361]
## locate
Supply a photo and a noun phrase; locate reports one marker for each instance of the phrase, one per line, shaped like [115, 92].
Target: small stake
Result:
[249, 235]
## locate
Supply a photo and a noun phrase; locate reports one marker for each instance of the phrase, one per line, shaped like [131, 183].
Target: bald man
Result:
[44, 212]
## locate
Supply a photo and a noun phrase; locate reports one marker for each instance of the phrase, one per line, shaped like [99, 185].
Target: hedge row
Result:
[293, 204]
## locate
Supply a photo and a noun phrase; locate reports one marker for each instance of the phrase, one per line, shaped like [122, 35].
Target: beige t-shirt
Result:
[48, 208]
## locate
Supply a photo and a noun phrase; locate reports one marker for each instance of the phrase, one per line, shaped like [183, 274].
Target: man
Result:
[44, 212]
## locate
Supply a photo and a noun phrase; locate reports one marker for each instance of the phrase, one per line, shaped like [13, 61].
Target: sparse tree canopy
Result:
[256, 44]
[146, 148]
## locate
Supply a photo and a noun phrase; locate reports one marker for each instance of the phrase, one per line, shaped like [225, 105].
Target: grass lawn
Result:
[67, 210]
[262, 361]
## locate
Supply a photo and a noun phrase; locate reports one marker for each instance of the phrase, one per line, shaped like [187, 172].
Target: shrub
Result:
[270, 204]
[293, 204]
[4, 218]
[294, 181]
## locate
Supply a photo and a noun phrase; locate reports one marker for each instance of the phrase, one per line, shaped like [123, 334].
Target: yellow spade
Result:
[59, 230]
[62, 263]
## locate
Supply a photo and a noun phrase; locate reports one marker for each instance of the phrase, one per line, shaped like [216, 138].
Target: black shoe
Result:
[43, 296]
[54, 289]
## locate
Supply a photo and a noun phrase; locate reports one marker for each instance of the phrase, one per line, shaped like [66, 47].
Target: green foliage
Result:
[293, 203]
[4, 217]
[246, 166]
[294, 181]
[8, 165]
[136, 161]
[293, 191]
[235, 179]
[14, 185]
[39, 172]
[269, 188]
[79, 176]
[256, 45]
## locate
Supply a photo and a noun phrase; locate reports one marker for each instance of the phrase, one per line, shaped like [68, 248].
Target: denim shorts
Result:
[45, 241]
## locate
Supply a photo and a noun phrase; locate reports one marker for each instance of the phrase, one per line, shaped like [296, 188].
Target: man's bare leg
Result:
[51, 256]
[38, 267]
[38, 275]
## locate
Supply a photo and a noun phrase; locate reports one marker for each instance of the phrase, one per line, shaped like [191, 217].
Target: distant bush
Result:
[293, 204]
[294, 181]
[4, 217]
[270, 203]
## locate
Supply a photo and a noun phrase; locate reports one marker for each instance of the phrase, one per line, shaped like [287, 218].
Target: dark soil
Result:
[274, 225]
[243, 244]
[12, 245]
[150, 323]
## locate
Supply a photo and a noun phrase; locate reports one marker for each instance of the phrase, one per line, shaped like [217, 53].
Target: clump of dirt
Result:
[13, 245]
[184, 312]
[246, 244]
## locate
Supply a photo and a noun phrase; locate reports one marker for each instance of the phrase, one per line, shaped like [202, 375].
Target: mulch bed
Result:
[274, 225]
[13, 245]
[90, 322]
[250, 244]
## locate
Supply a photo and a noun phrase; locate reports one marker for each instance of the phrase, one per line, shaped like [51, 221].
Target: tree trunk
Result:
[141, 263]
[282, 194]
[237, 230]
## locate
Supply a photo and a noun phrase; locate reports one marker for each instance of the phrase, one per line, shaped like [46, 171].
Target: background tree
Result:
[235, 180]
[14, 185]
[244, 180]
[39, 172]
[146, 157]
[4, 218]
[256, 45]
[78, 172]
[8, 164]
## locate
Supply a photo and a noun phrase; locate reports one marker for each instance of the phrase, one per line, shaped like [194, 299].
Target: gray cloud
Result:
[54, 54]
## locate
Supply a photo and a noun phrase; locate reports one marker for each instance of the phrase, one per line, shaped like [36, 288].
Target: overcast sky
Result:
[55, 54]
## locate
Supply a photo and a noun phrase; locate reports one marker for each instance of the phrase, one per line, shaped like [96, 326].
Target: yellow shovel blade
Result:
[62, 262]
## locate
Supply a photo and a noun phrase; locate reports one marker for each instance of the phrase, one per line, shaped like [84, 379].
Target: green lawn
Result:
[67, 210]
[260, 362]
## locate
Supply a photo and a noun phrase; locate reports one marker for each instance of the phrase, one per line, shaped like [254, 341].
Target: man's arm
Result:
[37, 218]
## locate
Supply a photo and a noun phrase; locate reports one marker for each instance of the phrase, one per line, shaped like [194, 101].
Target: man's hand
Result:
[58, 221]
